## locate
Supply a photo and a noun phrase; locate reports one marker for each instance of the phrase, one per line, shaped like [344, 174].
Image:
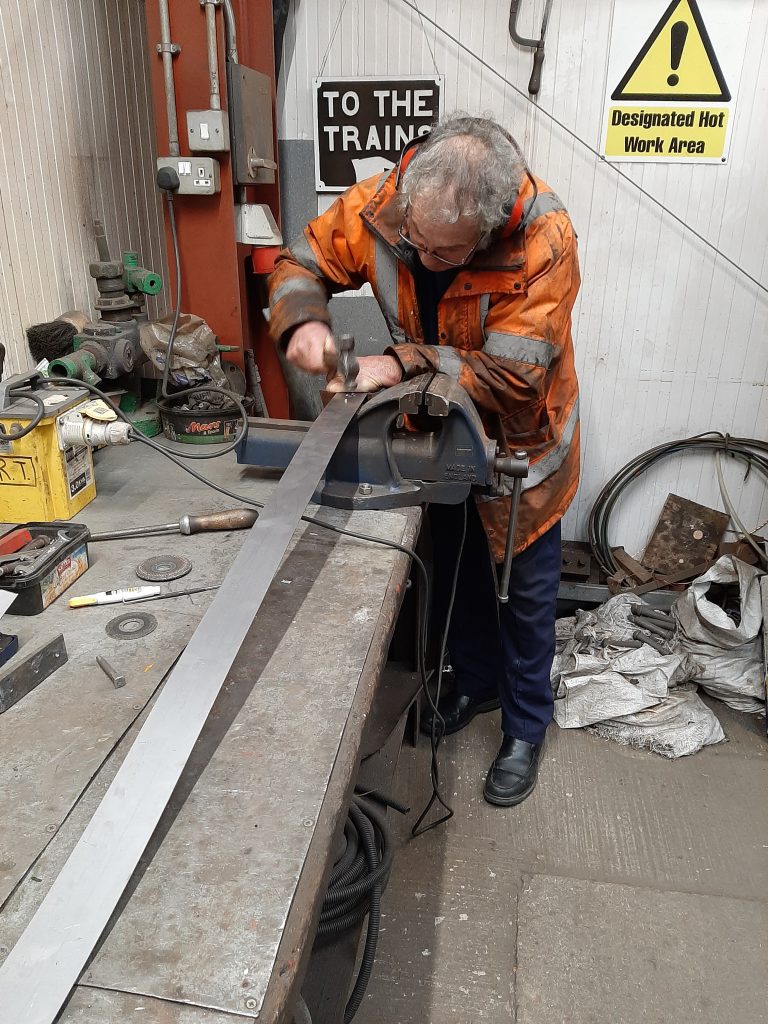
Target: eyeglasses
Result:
[428, 252]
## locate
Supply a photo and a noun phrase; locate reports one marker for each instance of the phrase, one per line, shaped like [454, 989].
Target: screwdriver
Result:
[228, 519]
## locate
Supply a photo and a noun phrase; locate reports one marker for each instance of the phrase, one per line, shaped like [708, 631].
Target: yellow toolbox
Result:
[40, 480]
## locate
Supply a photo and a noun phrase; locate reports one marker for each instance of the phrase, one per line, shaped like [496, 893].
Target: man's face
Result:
[441, 246]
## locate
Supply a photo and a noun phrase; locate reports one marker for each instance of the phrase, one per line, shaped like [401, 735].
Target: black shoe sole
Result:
[509, 801]
[480, 709]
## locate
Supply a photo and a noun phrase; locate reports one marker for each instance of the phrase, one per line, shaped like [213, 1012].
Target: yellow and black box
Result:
[40, 480]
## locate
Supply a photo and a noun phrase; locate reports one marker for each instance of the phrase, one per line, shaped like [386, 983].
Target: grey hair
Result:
[466, 167]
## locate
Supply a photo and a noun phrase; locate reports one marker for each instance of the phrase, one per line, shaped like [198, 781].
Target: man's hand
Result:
[311, 348]
[376, 372]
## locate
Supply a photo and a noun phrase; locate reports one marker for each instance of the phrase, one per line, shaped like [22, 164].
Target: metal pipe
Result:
[166, 52]
[213, 53]
[230, 29]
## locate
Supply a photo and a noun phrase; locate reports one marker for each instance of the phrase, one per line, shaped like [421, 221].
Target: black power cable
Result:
[168, 181]
[23, 392]
[358, 879]
[437, 731]
[750, 451]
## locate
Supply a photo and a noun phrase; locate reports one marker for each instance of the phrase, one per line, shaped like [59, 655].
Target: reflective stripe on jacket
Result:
[504, 329]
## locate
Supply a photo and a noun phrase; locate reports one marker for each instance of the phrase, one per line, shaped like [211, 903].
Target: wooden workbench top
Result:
[215, 920]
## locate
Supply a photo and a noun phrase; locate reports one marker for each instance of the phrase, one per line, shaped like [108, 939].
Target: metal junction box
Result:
[208, 131]
[250, 114]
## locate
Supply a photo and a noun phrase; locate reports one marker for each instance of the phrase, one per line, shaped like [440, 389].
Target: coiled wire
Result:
[748, 450]
[358, 879]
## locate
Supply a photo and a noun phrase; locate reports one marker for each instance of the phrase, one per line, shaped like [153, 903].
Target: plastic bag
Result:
[727, 653]
[680, 725]
[596, 675]
[195, 356]
[593, 688]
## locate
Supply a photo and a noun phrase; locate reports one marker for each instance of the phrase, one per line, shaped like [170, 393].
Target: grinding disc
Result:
[131, 626]
[161, 568]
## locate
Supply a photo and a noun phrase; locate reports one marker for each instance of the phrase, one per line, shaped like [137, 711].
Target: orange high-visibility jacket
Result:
[504, 329]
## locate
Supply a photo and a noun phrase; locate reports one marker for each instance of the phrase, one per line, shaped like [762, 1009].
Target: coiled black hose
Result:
[750, 451]
[358, 879]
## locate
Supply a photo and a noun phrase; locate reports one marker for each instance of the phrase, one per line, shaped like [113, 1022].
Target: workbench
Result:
[217, 922]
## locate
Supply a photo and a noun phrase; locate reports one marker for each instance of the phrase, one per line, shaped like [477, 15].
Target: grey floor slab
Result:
[448, 938]
[595, 953]
[619, 851]
[603, 811]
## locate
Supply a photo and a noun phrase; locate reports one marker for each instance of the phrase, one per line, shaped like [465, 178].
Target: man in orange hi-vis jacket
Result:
[473, 262]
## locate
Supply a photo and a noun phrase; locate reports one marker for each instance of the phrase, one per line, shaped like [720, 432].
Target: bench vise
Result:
[418, 442]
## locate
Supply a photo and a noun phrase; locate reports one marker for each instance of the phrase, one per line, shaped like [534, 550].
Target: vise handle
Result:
[515, 466]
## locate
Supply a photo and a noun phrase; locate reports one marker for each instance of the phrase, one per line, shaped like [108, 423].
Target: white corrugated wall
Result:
[670, 339]
[76, 144]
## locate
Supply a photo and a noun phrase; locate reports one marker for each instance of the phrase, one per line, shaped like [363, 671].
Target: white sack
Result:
[727, 657]
[593, 687]
[680, 725]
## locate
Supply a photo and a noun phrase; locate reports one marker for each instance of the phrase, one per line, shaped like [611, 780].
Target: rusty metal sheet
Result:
[686, 535]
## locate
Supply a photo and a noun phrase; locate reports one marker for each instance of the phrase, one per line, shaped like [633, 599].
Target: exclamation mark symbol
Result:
[677, 41]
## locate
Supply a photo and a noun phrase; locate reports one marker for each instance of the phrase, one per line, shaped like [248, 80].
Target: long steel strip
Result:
[44, 965]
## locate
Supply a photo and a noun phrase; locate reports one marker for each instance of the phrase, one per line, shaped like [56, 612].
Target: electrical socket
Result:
[255, 225]
[208, 131]
[198, 175]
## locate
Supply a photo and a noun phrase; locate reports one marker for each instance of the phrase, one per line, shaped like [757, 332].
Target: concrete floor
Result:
[627, 889]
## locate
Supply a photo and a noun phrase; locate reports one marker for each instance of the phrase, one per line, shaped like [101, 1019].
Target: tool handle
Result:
[229, 519]
[518, 464]
[535, 82]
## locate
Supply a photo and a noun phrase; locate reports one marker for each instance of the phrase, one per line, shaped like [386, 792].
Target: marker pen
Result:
[114, 596]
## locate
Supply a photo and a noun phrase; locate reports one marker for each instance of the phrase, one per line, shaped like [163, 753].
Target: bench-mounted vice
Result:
[418, 442]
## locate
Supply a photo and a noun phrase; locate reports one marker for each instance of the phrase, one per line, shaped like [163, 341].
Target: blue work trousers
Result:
[503, 650]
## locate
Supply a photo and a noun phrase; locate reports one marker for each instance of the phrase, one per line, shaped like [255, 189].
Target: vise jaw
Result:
[420, 441]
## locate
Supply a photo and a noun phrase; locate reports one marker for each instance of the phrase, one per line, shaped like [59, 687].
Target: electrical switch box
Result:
[208, 131]
[250, 107]
[198, 175]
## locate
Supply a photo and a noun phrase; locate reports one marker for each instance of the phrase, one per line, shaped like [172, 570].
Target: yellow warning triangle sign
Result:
[677, 61]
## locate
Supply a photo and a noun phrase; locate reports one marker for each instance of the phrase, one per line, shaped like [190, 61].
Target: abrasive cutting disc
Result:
[131, 626]
[161, 568]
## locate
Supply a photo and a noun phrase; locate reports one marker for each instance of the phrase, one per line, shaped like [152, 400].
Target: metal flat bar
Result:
[44, 965]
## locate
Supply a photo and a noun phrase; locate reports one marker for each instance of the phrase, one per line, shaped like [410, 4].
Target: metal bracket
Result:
[172, 48]
[29, 668]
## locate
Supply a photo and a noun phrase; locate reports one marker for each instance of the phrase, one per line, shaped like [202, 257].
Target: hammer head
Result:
[347, 364]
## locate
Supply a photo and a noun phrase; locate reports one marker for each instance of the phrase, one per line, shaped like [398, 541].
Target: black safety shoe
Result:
[457, 711]
[512, 776]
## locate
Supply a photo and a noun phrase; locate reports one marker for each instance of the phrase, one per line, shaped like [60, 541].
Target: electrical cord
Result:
[436, 736]
[198, 389]
[735, 519]
[358, 879]
[39, 413]
[750, 451]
